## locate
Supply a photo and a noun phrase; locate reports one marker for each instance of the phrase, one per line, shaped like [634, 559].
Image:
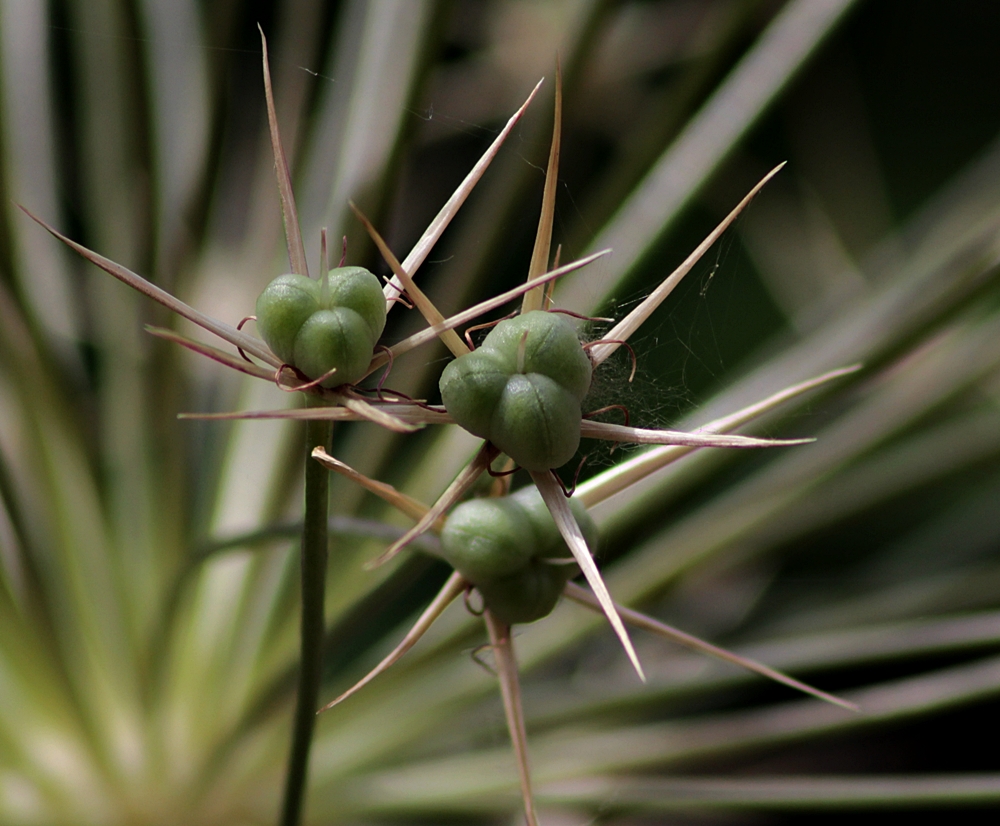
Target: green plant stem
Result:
[315, 538]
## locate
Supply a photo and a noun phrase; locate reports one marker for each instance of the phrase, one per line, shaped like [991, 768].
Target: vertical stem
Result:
[313, 585]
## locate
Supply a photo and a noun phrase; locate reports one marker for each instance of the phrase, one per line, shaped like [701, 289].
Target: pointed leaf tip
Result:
[436, 227]
[224, 331]
[289, 212]
[427, 309]
[628, 325]
[451, 589]
[539, 264]
[639, 620]
[559, 508]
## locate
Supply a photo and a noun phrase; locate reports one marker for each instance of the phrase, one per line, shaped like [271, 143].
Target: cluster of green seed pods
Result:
[522, 389]
[510, 549]
[318, 326]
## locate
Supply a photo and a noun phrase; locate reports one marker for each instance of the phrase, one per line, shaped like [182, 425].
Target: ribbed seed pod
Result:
[316, 326]
[510, 549]
[522, 389]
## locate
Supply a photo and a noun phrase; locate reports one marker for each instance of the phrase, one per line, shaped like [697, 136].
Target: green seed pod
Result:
[318, 325]
[522, 389]
[530, 594]
[550, 541]
[510, 549]
[485, 539]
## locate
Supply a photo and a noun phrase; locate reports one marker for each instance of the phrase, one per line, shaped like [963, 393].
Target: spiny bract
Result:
[316, 326]
[522, 389]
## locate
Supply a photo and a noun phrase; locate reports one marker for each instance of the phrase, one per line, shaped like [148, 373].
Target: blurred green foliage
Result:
[147, 599]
